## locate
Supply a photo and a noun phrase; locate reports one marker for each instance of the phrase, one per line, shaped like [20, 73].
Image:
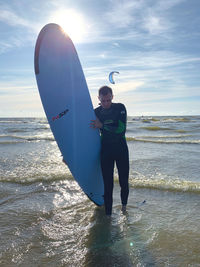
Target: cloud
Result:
[124, 87]
[10, 18]
[4, 46]
[137, 18]
[21, 105]
[167, 4]
[156, 25]
[18, 31]
[16, 90]
[19, 100]
[154, 59]
[154, 72]
[122, 13]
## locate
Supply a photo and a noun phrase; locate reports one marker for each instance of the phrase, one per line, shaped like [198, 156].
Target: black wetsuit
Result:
[114, 149]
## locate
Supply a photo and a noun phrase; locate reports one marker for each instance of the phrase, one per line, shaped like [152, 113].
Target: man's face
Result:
[106, 100]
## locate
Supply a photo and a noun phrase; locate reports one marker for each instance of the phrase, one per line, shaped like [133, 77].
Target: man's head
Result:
[105, 96]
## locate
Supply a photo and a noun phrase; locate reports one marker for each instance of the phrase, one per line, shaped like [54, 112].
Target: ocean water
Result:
[46, 220]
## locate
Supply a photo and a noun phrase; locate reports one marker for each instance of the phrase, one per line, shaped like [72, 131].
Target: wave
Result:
[23, 120]
[159, 184]
[43, 128]
[166, 136]
[129, 139]
[38, 138]
[156, 128]
[11, 121]
[10, 142]
[181, 131]
[36, 178]
[163, 119]
[16, 130]
[31, 129]
[166, 185]
[14, 139]
[175, 185]
[183, 119]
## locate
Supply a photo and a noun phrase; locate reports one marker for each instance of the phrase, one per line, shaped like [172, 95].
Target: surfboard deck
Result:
[68, 107]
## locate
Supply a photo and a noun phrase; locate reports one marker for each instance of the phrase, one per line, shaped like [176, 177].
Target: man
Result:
[111, 120]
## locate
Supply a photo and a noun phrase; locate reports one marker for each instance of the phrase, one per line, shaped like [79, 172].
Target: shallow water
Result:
[46, 219]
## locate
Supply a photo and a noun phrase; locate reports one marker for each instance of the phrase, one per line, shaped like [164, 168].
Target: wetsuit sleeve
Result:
[121, 124]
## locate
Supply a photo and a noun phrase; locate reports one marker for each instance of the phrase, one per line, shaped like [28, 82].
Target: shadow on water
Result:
[110, 242]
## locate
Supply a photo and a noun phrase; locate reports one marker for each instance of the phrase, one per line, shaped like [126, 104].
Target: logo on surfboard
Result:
[61, 114]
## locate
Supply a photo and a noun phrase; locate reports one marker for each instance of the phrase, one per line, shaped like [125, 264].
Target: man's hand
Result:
[96, 124]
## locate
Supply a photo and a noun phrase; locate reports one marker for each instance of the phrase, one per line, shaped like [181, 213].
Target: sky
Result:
[153, 44]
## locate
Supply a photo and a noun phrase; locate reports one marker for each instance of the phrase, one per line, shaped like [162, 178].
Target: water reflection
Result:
[105, 243]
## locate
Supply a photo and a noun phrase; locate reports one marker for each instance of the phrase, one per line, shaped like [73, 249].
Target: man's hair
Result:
[104, 90]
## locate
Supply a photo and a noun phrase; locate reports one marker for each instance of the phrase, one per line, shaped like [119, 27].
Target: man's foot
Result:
[123, 209]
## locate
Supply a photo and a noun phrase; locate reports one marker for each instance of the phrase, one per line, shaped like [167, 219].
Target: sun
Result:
[72, 23]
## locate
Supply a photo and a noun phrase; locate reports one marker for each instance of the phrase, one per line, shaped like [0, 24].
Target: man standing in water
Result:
[111, 120]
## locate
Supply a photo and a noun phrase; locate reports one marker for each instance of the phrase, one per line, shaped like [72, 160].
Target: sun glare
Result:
[72, 23]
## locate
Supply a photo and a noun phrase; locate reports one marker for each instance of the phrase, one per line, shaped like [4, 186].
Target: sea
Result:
[46, 219]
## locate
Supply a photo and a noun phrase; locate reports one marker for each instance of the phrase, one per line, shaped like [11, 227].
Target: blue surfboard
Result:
[68, 107]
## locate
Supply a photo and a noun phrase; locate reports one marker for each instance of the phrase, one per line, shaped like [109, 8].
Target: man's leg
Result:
[122, 163]
[107, 166]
